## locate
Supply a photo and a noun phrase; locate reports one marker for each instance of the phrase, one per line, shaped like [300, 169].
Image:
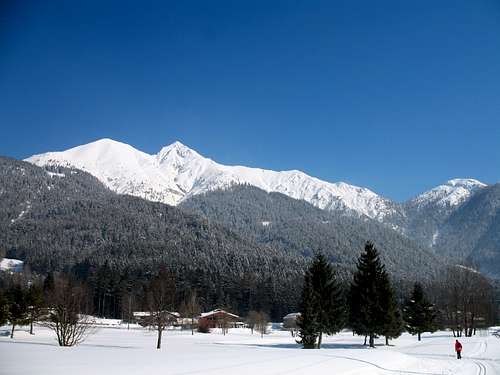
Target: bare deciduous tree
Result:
[161, 300]
[466, 301]
[191, 308]
[261, 323]
[67, 303]
[252, 318]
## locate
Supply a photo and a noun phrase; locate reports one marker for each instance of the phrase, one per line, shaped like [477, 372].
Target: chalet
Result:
[218, 319]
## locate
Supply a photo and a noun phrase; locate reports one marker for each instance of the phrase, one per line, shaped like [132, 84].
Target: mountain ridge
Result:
[178, 172]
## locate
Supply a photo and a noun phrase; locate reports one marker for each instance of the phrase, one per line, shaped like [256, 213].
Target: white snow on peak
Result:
[178, 172]
[452, 193]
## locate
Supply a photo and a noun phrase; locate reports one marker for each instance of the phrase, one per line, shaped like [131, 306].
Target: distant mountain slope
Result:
[429, 211]
[473, 231]
[177, 172]
[298, 227]
[62, 218]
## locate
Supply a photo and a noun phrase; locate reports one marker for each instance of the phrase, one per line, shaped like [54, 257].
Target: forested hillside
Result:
[473, 231]
[65, 219]
[297, 227]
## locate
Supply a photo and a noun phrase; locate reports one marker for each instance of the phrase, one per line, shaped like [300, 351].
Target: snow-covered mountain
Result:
[427, 214]
[178, 172]
[449, 195]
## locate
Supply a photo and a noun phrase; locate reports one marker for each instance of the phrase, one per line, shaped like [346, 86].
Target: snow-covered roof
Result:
[217, 311]
[142, 314]
[292, 316]
[11, 265]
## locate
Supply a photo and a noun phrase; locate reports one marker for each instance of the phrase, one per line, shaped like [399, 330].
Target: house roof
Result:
[218, 311]
[142, 314]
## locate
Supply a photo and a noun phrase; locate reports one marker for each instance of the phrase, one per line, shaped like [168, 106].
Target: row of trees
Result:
[466, 300]
[58, 304]
[369, 303]
[65, 305]
[371, 307]
[20, 306]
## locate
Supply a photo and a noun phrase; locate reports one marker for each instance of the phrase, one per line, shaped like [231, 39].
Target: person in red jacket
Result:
[458, 349]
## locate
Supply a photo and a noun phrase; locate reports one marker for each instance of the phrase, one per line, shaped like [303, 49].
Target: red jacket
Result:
[458, 346]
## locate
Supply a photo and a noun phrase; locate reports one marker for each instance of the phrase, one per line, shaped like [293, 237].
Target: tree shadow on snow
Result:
[57, 345]
[109, 346]
[298, 346]
[29, 343]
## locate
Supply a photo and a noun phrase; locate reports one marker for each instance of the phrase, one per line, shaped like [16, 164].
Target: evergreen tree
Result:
[393, 325]
[419, 313]
[308, 320]
[367, 312]
[18, 307]
[322, 303]
[48, 284]
[34, 302]
[4, 309]
[329, 300]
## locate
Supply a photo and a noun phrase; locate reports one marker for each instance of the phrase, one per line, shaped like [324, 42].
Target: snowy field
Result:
[120, 351]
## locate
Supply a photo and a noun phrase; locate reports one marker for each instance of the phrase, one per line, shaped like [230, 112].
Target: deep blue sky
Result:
[397, 96]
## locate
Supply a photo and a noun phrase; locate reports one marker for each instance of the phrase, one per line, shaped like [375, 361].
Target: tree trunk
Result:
[365, 340]
[192, 325]
[372, 341]
[386, 341]
[419, 337]
[158, 344]
[129, 310]
[12, 331]
[320, 339]
[31, 327]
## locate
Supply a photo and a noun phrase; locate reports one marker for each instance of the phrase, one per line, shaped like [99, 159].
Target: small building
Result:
[144, 318]
[218, 318]
[290, 323]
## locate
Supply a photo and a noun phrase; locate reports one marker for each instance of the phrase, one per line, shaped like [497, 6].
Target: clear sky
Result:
[397, 96]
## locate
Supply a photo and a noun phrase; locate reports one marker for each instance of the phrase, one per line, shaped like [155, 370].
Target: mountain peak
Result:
[465, 182]
[176, 150]
[453, 193]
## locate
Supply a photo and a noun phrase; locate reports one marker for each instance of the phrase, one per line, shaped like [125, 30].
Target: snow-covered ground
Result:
[120, 351]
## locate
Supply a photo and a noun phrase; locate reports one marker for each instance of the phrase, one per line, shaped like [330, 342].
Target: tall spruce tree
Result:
[18, 307]
[419, 313]
[330, 303]
[35, 302]
[308, 320]
[367, 315]
[323, 308]
[393, 323]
